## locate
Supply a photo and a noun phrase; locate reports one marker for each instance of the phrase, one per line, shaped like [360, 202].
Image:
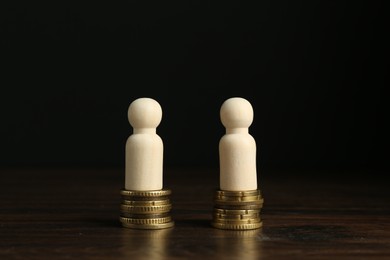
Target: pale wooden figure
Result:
[237, 148]
[144, 148]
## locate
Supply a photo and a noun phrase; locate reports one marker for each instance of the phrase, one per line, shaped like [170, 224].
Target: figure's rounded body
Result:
[144, 162]
[237, 154]
[144, 148]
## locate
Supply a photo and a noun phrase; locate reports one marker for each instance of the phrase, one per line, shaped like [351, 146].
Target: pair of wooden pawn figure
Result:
[144, 148]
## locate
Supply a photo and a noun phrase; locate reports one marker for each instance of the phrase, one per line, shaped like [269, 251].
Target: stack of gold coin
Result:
[146, 209]
[237, 210]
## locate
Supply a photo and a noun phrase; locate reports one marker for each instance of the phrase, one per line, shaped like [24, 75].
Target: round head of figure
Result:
[236, 112]
[144, 113]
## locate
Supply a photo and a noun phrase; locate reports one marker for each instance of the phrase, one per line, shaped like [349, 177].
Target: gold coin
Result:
[237, 221]
[143, 216]
[237, 226]
[235, 216]
[147, 198]
[146, 202]
[236, 211]
[236, 202]
[149, 226]
[238, 193]
[239, 206]
[145, 221]
[238, 198]
[146, 209]
[151, 193]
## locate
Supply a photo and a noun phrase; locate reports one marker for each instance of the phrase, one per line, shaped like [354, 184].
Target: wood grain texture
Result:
[73, 214]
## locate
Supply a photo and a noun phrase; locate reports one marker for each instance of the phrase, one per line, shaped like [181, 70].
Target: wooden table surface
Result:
[73, 214]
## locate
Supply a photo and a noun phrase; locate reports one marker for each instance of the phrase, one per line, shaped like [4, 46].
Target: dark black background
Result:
[314, 72]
